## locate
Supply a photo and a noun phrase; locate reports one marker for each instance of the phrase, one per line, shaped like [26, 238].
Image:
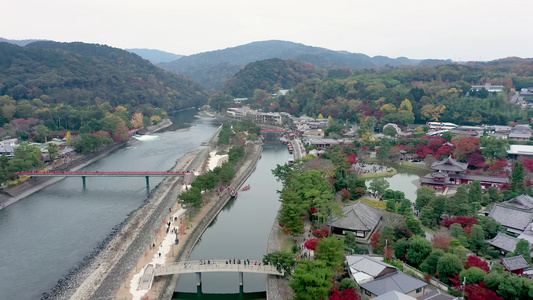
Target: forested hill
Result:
[155, 56]
[80, 74]
[270, 75]
[214, 68]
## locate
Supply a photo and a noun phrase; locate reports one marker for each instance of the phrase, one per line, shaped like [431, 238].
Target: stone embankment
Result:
[253, 154]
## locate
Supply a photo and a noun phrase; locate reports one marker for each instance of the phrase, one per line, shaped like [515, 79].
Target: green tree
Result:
[475, 191]
[53, 151]
[517, 179]
[405, 207]
[428, 216]
[192, 197]
[456, 230]
[448, 265]
[419, 249]
[390, 131]
[311, 280]
[414, 225]
[384, 152]
[391, 205]
[291, 212]
[350, 243]
[379, 185]
[348, 283]
[283, 260]
[522, 248]
[330, 250]
[490, 226]
[41, 132]
[473, 275]
[401, 248]
[429, 266]
[423, 196]
[477, 238]
[494, 148]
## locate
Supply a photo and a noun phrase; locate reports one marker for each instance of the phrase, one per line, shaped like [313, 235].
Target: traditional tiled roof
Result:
[504, 242]
[358, 217]
[394, 295]
[430, 180]
[400, 282]
[523, 201]
[368, 265]
[515, 263]
[511, 217]
[449, 164]
[485, 178]
[436, 295]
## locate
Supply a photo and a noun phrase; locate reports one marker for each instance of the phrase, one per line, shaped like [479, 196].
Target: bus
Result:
[441, 125]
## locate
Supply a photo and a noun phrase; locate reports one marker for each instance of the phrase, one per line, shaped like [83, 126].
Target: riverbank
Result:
[10, 195]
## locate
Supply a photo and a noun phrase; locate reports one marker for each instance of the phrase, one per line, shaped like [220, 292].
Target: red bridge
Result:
[187, 176]
[272, 130]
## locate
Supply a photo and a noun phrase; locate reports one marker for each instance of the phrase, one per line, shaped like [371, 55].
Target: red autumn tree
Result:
[347, 294]
[464, 221]
[312, 244]
[345, 194]
[500, 165]
[465, 147]
[474, 261]
[480, 292]
[374, 241]
[476, 159]
[528, 164]
[443, 151]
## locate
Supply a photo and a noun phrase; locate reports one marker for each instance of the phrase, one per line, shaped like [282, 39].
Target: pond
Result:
[406, 180]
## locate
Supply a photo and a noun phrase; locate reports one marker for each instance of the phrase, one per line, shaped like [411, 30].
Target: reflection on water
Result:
[406, 180]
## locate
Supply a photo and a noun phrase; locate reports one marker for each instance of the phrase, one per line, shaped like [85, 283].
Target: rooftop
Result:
[504, 242]
[394, 295]
[399, 281]
[358, 217]
[511, 217]
[515, 263]
[449, 164]
[523, 202]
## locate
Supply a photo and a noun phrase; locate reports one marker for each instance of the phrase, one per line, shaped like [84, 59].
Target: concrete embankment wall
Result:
[195, 235]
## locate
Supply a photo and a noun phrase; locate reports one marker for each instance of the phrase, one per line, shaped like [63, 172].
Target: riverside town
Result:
[270, 179]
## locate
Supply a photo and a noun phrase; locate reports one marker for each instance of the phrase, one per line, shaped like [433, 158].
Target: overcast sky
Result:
[455, 29]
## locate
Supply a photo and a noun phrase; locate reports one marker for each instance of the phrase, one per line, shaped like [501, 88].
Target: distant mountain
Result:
[155, 56]
[85, 74]
[214, 68]
[19, 42]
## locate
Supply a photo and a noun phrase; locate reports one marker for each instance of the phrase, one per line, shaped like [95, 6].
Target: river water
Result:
[240, 231]
[45, 235]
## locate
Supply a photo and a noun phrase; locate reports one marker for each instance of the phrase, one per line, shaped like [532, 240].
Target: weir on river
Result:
[46, 235]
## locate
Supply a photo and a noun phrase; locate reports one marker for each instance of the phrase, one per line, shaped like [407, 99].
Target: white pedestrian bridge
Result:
[198, 268]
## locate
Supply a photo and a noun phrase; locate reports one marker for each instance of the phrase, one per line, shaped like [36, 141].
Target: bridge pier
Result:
[198, 279]
[147, 181]
[241, 279]
[83, 181]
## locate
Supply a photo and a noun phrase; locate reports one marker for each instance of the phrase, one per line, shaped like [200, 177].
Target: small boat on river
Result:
[246, 188]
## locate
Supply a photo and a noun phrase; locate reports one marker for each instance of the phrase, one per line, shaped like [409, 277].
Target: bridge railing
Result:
[214, 266]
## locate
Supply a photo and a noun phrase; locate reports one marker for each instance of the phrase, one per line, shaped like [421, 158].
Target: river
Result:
[240, 231]
[44, 236]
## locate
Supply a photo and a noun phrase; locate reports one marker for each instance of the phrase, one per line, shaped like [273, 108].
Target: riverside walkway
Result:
[213, 266]
[187, 176]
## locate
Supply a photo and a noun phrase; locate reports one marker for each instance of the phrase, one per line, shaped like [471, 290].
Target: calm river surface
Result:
[240, 231]
[45, 235]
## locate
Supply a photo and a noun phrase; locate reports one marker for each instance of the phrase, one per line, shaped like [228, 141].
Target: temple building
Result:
[451, 172]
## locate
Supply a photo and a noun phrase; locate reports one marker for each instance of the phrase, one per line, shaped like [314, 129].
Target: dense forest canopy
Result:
[378, 96]
[81, 74]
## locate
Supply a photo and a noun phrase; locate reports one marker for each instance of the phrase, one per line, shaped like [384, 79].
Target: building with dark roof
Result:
[451, 172]
[398, 281]
[513, 219]
[437, 295]
[523, 201]
[515, 264]
[359, 218]
[394, 295]
[504, 242]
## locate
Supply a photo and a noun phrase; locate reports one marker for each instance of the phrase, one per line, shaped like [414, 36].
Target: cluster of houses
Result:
[516, 215]
[381, 281]
[7, 147]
